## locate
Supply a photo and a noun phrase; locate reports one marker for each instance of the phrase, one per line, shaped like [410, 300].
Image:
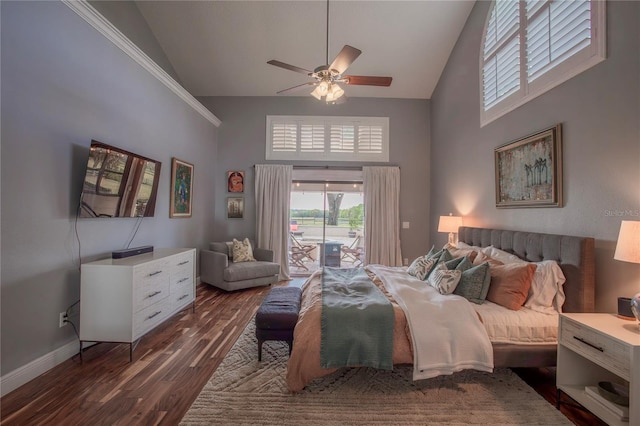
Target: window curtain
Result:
[273, 195]
[382, 215]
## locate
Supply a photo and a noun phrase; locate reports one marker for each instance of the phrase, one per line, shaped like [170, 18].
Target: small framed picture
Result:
[181, 188]
[235, 181]
[235, 207]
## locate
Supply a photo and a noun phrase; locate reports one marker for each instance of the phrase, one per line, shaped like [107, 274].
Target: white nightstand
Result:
[594, 348]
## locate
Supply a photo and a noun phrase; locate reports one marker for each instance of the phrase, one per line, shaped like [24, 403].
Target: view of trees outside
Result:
[342, 210]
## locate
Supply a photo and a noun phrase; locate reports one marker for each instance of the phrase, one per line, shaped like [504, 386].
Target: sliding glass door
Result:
[327, 226]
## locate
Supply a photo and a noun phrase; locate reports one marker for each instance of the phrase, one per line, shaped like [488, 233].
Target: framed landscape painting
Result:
[181, 188]
[529, 171]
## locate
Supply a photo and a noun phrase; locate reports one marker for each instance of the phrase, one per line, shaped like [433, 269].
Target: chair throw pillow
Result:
[443, 279]
[242, 251]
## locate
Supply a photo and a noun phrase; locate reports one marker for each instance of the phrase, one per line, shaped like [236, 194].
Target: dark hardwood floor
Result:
[171, 365]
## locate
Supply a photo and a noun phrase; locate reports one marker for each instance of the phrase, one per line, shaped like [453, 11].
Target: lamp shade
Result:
[449, 223]
[628, 247]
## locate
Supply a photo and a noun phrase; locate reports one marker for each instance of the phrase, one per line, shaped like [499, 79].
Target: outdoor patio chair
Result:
[354, 252]
[303, 251]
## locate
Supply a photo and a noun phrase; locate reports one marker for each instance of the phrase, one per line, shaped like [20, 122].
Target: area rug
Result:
[244, 391]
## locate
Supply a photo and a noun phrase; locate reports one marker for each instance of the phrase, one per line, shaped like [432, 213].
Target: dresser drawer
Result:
[183, 260]
[181, 297]
[151, 316]
[600, 348]
[151, 285]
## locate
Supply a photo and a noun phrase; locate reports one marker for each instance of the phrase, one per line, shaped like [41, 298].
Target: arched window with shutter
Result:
[530, 46]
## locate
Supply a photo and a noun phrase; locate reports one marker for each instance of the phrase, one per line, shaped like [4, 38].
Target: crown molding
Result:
[106, 28]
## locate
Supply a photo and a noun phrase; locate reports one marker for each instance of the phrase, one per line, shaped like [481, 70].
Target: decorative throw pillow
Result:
[242, 251]
[452, 264]
[460, 252]
[421, 266]
[443, 279]
[510, 284]
[502, 256]
[474, 283]
[482, 258]
[546, 293]
[440, 256]
[460, 264]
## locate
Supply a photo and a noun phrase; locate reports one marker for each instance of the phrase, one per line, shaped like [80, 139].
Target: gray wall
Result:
[600, 113]
[242, 144]
[126, 16]
[64, 84]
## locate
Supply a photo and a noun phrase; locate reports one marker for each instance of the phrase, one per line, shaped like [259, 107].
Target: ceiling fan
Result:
[326, 77]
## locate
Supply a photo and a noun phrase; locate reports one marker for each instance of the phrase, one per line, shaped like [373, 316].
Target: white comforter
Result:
[446, 332]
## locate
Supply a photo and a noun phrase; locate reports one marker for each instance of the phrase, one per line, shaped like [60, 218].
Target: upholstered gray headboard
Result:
[575, 255]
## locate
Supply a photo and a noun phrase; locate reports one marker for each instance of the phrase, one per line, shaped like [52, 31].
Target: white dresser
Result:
[594, 348]
[122, 299]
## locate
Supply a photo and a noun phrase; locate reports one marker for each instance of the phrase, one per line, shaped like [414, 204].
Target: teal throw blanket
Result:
[357, 321]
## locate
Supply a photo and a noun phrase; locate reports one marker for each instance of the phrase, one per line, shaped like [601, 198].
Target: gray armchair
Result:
[218, 269]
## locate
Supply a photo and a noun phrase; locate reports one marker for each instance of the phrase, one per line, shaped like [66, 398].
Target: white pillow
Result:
[421, 266]
[462, 245]
[546, 293]
[443, 279]
[502, 255]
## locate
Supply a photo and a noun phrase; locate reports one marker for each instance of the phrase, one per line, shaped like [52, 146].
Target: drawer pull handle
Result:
[183, 280]
[154, 315]
[155, 273]
[155, 293]
[580, 339]
[183, 263]
[183, 296]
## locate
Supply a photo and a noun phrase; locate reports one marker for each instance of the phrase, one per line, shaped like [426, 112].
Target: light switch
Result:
[405, 225]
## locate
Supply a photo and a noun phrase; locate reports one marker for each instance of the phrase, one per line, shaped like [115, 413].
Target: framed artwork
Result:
[235, 207]
[235, 181]
[181, 188]
[529, 171]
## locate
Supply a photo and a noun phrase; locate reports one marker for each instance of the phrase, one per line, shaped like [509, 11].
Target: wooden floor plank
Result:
[171, 365]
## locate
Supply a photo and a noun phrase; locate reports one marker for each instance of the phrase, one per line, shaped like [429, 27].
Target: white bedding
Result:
[523, 327]
[446, 333]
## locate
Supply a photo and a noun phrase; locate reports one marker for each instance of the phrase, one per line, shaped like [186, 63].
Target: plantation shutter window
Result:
[316, 138]
[342, 138]
[555, 32]
[531, 46]
[284, 137]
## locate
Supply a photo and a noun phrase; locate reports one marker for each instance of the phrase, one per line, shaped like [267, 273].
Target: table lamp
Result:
[450, 224]
[628, 250]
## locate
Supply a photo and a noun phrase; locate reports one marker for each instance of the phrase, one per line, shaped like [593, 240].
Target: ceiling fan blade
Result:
[345, 58]
[289, 67]
[364, 80]
[311, 83]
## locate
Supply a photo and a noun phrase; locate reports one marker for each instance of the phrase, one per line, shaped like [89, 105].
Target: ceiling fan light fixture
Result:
[323, 87]
[337, 91]
[317, 93]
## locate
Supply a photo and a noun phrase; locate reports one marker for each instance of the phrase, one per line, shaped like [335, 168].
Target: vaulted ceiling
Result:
[221, 48]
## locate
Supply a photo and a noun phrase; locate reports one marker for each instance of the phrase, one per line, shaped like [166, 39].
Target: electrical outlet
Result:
[405, 261]
[63, 319]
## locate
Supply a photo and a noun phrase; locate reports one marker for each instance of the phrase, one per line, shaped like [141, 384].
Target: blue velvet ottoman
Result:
[277, 316]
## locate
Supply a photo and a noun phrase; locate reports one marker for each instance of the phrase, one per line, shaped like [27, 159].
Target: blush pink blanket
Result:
[304, 363]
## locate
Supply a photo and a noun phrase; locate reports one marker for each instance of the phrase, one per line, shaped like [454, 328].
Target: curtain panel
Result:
[382, 215]
[273, 195]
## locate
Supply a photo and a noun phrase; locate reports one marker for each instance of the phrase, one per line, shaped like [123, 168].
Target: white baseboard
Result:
[18, 377]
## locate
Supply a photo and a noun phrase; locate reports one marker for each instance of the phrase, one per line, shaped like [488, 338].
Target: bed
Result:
[574, 255]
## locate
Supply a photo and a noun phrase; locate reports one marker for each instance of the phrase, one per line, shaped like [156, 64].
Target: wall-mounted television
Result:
[119, 183]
